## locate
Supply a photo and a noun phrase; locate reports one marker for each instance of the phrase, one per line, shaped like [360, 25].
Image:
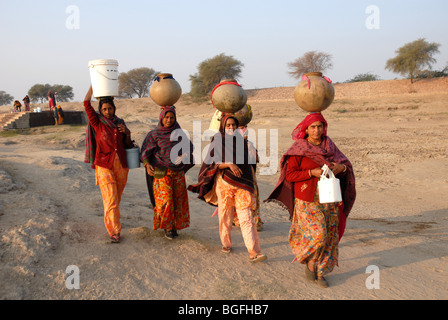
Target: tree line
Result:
[413, 60]
[38, 93]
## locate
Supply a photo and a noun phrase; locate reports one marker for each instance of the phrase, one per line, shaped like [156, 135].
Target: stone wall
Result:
[46, 118]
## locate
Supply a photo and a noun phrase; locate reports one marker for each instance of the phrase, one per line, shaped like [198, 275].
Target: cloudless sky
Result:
[175, 36]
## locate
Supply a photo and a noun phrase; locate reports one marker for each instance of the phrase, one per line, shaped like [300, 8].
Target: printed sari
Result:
[171, 209]
[168, 194]
[316, 228]
[314, 234]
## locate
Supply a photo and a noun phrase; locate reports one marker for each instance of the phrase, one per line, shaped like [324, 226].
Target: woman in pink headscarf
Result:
[316, 228]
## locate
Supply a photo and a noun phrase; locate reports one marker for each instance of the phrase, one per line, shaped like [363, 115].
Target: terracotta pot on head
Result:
[165, 90]
[228, 96]
[314, 93]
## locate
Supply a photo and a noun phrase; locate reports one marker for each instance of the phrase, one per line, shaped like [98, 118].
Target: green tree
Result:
[311, 61]
[135, 82]
[5, 98]
[63, 93]
[39, 92]
[211, 71]
[434, 73]
[364, 77]
[412, 57]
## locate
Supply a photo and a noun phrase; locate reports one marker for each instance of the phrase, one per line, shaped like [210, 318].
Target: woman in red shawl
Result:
[316, 228]
[165, 173]
[106, 139]
[227, 179]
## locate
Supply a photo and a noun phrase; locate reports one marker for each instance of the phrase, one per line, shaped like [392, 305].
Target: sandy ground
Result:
[51, 213]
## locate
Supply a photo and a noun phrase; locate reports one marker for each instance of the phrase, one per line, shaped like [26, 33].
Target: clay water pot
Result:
[314, 93]
[228, 96]
[165, 90]
[244, 115]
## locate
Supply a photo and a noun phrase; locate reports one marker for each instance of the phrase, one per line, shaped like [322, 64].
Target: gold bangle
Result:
[309, 172]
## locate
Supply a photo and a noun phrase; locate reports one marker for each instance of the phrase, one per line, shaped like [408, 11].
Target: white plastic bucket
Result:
[104, 77]
[133, 157]
[39, 109]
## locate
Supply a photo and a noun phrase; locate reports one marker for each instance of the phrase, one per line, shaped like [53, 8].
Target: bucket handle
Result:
[93, 67]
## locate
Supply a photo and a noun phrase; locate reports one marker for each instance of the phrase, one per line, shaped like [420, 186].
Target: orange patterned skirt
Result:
[314, 234]
[171, 198]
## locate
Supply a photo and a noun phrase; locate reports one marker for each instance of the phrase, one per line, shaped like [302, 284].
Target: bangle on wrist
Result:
[309, 172]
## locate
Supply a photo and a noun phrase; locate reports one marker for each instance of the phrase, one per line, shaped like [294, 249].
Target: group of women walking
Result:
[226, 180]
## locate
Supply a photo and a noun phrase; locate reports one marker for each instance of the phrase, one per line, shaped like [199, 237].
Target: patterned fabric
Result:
[171, 199]
[231, 199]
[255, 211]
[158, 144]
[314, 234]
[112, 183]
[90, 141]
[328, 152]
[221, 145]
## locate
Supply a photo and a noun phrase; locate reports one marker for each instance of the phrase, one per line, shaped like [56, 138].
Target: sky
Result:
[52, 42]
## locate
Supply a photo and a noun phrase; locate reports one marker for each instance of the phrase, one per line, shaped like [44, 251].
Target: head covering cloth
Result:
[300, 131]
[157, 146]
[90, 141]
[223, 144]
[326, 153]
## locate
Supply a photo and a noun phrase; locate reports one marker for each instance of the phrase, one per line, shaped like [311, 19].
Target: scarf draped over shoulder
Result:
[90, 141]
[226, 148]
[326, 153]
[159, 143]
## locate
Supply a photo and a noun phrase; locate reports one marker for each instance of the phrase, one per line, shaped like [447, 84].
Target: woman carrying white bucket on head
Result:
[106, 139]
